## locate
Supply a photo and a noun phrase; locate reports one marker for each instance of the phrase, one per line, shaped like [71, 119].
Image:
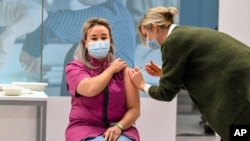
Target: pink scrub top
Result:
[86, 115]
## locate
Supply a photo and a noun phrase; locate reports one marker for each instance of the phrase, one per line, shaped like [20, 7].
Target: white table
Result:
[38, 99]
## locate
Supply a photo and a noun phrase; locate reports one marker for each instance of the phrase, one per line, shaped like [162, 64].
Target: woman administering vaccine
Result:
[212, 66]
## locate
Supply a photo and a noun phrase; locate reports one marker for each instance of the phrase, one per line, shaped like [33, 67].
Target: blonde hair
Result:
[163, 17]
[81, 52]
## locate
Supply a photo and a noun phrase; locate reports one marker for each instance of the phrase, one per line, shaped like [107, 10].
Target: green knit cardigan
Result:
[215, 70]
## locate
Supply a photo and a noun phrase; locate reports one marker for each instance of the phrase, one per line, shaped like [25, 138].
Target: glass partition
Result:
[19, 18]
[36, 44]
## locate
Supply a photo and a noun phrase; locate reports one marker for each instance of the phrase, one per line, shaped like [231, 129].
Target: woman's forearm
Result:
[129, 118]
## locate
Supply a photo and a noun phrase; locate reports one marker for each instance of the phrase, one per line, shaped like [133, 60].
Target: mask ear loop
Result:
[147, 38]
[155, 37]
[148, 28]
[84, 43]
[85, 48]
[151, 27]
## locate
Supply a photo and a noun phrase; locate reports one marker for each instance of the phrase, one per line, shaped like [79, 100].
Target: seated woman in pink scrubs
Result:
[105, 103]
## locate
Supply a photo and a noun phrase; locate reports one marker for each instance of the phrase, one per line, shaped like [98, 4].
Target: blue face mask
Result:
[99, 49]
[153, 44]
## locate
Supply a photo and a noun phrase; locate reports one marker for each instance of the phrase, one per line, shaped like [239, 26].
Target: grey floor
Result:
[188, 122]
[189, 129]
[197, 138]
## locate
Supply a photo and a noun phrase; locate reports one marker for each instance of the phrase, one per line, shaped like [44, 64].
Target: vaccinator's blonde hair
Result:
[163, 17]
[81, 52]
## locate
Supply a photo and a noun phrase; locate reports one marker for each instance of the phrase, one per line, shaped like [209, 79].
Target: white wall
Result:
[17, 123]
[234, 19]
[156, 123]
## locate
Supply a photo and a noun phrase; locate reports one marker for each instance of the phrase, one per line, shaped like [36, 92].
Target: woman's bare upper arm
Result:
[132, 93]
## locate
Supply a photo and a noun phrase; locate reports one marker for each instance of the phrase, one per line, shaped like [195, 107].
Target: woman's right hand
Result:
[112, 133]
[153, 69]
[117, 65]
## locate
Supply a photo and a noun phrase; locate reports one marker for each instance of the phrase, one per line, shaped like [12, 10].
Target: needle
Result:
[142, 68]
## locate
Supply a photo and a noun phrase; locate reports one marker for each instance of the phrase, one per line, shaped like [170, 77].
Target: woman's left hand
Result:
[137, 78]
[112, 133]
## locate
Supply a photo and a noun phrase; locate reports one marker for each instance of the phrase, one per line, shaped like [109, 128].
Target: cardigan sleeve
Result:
[174, 60]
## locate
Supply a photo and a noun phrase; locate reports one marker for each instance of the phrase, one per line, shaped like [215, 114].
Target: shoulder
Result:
[126, 75]
[75, 64]
[190, 29]
[125, 71]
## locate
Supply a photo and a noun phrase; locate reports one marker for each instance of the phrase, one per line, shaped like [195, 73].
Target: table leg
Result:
[38, 123]
[44, 119]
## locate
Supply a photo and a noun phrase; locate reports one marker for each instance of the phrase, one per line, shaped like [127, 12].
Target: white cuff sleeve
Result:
[146, 88]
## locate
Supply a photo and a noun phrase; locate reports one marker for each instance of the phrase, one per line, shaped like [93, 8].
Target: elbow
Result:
[135, 112]
[138, 113]
[168, 96]
[168, 99]
[90, 92]
[164, 96]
